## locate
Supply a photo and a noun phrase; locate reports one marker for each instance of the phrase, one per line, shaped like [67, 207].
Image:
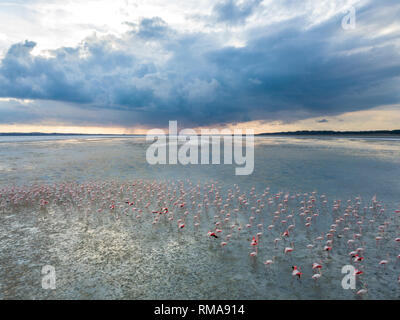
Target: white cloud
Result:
[56, 23]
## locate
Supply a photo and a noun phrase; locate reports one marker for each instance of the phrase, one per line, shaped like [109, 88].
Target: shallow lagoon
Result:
[117, 256]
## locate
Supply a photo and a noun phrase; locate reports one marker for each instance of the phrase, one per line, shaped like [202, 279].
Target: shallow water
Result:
[115, 255]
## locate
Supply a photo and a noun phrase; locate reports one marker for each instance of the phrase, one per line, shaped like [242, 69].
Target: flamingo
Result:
[212, 234]
[316, 276]
[362, 291]
[383, 262]
[296, 272]
[316, 266]
[288, 249]
[269, 261]
[358, 258]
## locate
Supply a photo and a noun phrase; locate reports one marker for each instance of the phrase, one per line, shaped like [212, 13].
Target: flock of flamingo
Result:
[271, 225]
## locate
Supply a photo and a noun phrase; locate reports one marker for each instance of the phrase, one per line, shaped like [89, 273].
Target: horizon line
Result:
[297, 132]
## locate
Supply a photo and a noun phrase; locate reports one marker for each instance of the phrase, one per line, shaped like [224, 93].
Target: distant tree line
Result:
[331, 133]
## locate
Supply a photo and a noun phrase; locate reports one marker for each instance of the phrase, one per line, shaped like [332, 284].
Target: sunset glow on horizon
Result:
[369, 120]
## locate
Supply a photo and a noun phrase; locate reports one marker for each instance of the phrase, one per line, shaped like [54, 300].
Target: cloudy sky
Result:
[123, 66]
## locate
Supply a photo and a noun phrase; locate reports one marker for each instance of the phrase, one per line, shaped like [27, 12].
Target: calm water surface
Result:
[108, 257]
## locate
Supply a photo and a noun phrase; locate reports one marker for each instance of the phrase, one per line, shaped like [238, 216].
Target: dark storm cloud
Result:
[13, 111]
[154, 74]
[233, 12]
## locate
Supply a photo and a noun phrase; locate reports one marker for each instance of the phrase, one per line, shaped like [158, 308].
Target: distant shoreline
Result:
[287, 133]
[333, 133]
[33, 134]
